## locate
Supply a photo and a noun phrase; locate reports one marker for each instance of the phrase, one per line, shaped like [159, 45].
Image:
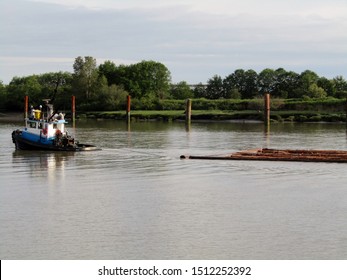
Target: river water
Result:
[135, 199]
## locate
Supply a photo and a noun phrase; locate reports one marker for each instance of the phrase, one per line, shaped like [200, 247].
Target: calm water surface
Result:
[136, 199]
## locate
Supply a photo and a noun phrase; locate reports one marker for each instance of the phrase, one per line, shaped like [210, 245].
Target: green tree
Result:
[85, 76]
[214, 89]
[181, 91]
[245, 82]
[120, 76]
[267, 81]
[2, 95]
[19, 87]
[199, 91]
[57, 87]
[115, 98]
[39, 87]
[109, 98]
[327, 86]
[235, 81]
[251, 89]
[314, 91]
[230, 88]
[340, 85]
[306, 81]
[109, 70]
[147, 79]
[287, 83]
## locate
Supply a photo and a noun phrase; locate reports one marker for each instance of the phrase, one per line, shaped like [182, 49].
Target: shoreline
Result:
[11, 117]
[198, 116]
[220, 116]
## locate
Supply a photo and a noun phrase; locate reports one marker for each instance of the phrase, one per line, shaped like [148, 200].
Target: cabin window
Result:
[32, 124]
[55, 126]
[40, 125]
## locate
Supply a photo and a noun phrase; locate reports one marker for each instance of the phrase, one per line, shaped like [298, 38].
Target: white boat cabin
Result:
[36, 125]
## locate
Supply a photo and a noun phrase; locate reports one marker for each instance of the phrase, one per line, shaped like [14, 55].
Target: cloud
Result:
[228, 7]
[194, 39]
[23, 66]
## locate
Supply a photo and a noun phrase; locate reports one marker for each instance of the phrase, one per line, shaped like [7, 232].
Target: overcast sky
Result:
[195, 39]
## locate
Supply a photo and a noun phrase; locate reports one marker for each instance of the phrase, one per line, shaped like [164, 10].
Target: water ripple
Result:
[136, 193]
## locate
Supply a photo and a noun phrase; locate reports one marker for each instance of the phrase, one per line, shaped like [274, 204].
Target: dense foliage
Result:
[105, 87]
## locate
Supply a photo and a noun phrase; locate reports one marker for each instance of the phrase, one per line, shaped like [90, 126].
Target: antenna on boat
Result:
[49, 106]
[49, 102]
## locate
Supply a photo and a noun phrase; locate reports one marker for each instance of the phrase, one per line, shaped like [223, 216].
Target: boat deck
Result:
[280, 155]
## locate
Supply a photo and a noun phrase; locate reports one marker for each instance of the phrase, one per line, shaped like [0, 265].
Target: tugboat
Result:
[47, 134]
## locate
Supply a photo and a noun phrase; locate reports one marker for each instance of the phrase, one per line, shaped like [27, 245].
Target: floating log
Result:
[280, 155]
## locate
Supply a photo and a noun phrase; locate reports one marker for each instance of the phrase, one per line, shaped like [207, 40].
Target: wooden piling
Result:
[73, 108]
[128, 108]
[188, 110]
[26, 106]
[267, 109]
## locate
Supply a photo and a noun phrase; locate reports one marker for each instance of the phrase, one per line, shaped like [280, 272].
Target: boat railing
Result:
[34, 123]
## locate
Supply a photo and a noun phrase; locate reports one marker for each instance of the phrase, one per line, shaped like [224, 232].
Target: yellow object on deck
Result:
[37, 114]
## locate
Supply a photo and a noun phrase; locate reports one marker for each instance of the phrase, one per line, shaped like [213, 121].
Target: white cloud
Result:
[17, 60]
[325, 8]
[195, 39]
[25, 66]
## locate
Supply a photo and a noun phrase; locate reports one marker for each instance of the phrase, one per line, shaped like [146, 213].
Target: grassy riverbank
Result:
[211, 115]
[282, 110]
[11, 117]
[218, 115]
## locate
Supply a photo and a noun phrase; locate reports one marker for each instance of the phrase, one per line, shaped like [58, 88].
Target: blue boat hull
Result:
[22, 143]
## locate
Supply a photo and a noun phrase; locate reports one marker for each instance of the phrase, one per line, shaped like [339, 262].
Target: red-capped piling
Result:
[73, 108]
[267, 109]
[26, 106]
[128, 108]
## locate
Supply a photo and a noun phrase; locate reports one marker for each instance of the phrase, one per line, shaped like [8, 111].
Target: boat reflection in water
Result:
[50, 165]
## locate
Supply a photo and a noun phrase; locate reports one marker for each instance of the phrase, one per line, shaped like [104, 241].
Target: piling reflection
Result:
[267, 135]
[122, 201]
[188, 126]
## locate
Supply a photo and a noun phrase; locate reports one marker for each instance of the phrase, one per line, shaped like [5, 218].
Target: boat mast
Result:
[49, 108]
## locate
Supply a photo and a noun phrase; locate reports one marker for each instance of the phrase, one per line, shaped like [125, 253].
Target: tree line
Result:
[105, 86]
